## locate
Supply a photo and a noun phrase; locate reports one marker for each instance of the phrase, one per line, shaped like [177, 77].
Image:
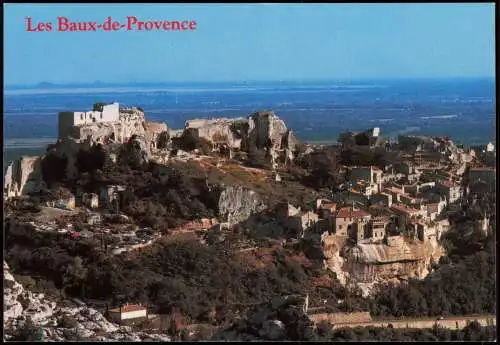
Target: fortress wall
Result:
[422, 323]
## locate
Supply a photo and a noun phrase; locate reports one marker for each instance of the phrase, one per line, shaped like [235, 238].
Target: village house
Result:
[405, 214]
[302, 222]
[382, 198]
[359, 229]
[326, 208]
[425, 231]
[364, 188]
[434, 209]
[378, 228]
[128, 313]
[292, 218]
[451, 190]
[408, 200]
[345, 217]
[370, 174]
[394, 192]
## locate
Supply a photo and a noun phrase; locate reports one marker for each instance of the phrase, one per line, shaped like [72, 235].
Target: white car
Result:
[62, 231]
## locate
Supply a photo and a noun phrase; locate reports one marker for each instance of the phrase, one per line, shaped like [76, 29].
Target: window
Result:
[101, 116]
[81, 116]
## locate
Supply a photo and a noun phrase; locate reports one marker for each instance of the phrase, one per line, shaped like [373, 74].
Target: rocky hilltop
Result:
[130, 134]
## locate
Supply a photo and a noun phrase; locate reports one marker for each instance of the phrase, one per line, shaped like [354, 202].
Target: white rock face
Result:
[19, 305]
[237, 203]
[264, 129]
[23, 176]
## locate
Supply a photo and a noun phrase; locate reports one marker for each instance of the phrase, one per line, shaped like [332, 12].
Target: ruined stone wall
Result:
[336, 318]
[451, 323]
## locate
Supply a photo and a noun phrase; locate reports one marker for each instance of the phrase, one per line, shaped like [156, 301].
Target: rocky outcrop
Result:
[22, 308]
[137, 151]
[263, 130]
[236, 204]
[156, 134]
[218, 131]
[267, 130]
[23, 176]
[396, 261]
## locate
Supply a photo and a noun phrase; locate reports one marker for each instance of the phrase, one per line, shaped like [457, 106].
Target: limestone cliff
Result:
[397, 260]
[23, 176]
[236, 203]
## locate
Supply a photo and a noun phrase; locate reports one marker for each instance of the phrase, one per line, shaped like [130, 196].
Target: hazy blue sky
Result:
[254, 42]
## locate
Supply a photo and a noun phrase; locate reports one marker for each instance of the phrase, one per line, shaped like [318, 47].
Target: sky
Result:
[248, 42]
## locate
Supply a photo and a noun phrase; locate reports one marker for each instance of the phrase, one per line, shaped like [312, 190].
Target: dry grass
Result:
[257, 258]
[259, 180]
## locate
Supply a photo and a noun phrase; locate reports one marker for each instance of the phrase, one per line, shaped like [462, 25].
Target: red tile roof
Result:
[347, 212]
[328, 205]
[404, 208]
[132, 307]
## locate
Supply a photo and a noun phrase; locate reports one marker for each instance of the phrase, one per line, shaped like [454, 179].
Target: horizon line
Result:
[98, 83]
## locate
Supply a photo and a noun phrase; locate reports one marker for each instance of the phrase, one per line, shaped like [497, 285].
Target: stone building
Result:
[378, 228]
[370, 174]
[128, 313]
[326, 208]
[100, 114]
[345, 217]
[383, 198]
[452, 191]
[302, 222]
[359, 229]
